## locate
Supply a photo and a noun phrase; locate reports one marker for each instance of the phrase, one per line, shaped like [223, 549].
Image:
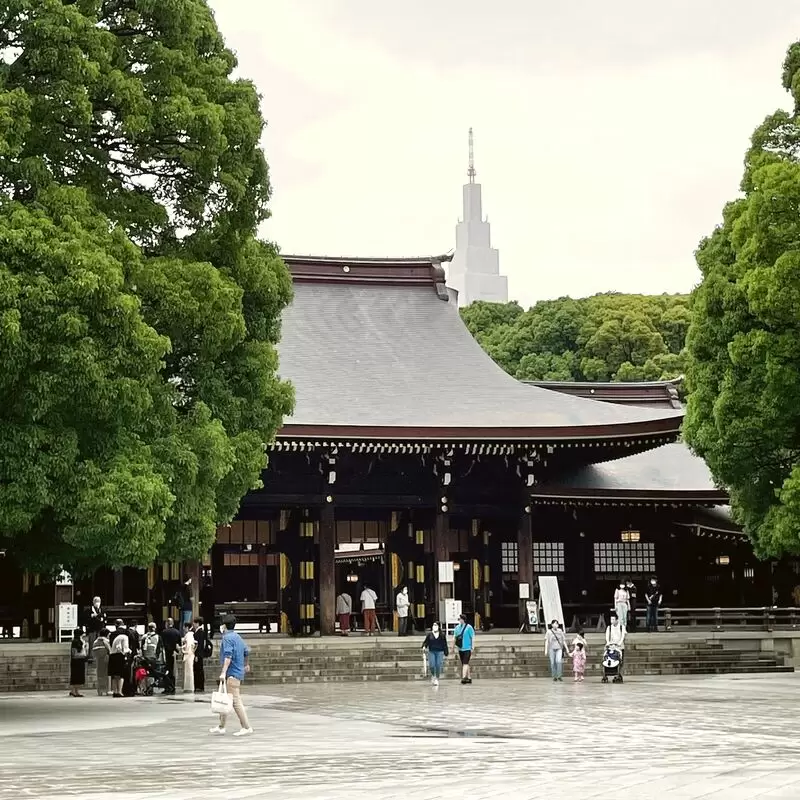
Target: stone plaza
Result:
[717, 737]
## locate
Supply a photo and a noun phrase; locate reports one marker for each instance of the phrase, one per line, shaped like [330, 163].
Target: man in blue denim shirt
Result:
[233, 654]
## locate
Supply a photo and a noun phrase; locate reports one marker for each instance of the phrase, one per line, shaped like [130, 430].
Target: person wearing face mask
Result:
[402, 603]
[96, 619]
[622, 603]
[653, 597]
[435, 645]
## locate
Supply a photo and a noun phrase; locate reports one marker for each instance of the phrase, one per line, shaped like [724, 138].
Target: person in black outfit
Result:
[128, 683]
[95, 620]
[199, 656]
[171, 639]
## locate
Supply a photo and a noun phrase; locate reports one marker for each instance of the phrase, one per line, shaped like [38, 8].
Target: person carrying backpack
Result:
[465, 645]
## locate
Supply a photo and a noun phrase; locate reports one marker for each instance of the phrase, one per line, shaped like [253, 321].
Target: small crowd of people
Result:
[625, 596]
[130, 663]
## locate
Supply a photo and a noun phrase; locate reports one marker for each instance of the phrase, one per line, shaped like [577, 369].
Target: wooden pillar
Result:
[441, 552]
[525, 559]
[327, 570]
[119, 589]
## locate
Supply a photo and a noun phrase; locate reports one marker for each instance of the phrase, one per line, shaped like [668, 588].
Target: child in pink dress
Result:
[579, 661]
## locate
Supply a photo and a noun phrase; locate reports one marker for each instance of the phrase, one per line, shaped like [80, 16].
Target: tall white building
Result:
[475, 268]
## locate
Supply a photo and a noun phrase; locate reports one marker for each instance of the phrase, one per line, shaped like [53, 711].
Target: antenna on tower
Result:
[471, 168]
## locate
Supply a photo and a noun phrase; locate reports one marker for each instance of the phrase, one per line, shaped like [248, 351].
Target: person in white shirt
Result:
[344, 608]
[615, 634]
[368, 600]
[622, 603]
[402, 602]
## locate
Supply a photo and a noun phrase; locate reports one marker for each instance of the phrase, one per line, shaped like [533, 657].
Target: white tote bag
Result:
[221, 701]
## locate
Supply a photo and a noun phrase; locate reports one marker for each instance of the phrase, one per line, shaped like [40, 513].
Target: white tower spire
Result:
[475, 269]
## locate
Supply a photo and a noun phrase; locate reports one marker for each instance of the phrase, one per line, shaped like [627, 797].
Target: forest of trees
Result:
[606, 337]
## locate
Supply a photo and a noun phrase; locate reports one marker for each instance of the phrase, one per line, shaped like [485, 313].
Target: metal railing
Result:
[764, 618]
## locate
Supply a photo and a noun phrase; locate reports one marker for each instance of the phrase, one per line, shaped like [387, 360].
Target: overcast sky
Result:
[608, 135]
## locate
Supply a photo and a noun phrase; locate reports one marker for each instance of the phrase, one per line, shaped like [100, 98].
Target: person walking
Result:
[464, 637]
[435, 645]
[579, 662]
[78, 655]
[368, 601]
[171, 640]
[200, 655]
[622, 603]
[188, 649]
[653, 597]
[555, 645]
[402, 602]
[615, 634]
[100, 652]
[344, 610]
[117, 660]
[233, 656]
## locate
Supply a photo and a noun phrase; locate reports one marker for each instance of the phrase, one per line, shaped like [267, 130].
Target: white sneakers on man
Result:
[221, 731]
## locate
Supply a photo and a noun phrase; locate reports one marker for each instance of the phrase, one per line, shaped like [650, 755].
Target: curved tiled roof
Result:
[669, 471]
[377, 348]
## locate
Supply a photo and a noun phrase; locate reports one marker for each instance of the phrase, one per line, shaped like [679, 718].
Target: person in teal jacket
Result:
[465, 645]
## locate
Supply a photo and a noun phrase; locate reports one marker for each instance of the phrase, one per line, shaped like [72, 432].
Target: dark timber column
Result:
[441, 552]
[288, 545]
[525, 559]
[307, 582]
[327, 570]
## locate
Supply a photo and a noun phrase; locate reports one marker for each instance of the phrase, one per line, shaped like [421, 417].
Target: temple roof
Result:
[647, 394]
[376, 349]
[670, 472]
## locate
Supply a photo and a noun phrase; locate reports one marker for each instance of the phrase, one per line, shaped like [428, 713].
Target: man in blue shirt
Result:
[465, 643]
[233, 655]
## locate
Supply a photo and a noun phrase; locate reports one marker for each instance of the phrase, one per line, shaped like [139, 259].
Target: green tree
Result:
[138, 311]
[744, 340]
[599, 338]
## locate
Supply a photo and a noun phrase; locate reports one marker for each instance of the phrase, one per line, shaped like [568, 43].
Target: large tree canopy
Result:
[138, 311]
[607, 337]
[744, 340]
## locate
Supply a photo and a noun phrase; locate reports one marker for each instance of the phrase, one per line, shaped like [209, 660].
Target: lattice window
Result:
[510, 557]
[548, 558]
[628, 558]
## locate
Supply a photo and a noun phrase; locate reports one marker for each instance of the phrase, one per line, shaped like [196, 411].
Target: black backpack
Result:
[208, 648]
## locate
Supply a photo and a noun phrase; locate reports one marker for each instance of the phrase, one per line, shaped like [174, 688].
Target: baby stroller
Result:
[612, 664]
[156, 674]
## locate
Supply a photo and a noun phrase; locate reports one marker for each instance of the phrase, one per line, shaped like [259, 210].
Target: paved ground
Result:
[652, 738]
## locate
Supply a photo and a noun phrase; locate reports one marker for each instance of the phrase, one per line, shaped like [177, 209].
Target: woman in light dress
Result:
[188, 647]
[622, 603]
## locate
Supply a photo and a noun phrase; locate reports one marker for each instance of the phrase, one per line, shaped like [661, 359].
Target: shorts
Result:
[465, 656]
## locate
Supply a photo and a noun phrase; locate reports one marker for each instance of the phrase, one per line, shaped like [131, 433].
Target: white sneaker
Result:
[435, 681]
[244, 732]
[218, 731]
